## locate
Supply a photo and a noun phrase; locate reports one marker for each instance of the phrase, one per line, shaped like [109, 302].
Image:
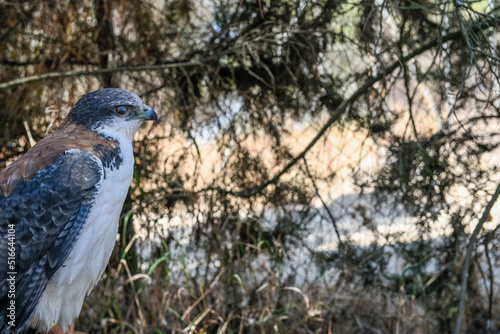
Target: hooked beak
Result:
[148, 114]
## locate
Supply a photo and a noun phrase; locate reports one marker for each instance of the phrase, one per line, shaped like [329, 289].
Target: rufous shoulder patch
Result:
[48, 149]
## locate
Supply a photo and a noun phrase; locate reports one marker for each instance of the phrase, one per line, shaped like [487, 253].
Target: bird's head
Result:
[112, 112]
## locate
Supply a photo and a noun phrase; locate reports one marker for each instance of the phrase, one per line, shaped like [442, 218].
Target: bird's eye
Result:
[121, 110]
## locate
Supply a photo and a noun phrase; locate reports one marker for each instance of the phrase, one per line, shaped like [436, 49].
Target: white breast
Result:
[63, 298]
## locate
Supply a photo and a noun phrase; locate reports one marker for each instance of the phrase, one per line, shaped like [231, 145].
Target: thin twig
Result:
[327, 209]
[470, 248]
[491, 277]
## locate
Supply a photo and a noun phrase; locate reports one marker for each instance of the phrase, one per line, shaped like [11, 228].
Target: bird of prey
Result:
[59, 209]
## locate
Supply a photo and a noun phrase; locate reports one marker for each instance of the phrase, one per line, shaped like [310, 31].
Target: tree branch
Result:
[327, 209]
[56, 75]
[468, 255]
[481, 25]
[337, 113]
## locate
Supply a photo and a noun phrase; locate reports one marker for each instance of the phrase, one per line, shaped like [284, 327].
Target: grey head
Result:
[112, 112]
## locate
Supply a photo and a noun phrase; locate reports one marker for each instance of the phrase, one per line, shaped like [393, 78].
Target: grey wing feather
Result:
[48, 212]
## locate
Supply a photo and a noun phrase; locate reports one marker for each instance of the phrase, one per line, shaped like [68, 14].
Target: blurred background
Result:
[320, 166]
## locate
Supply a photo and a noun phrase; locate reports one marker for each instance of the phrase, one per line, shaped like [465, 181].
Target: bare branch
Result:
[338, 112]
[57, 75]
[468, 254]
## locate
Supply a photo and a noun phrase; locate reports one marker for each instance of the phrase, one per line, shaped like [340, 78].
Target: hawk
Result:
[59, 209]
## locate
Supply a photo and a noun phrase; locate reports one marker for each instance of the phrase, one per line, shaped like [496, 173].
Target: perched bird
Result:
[59, 209]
